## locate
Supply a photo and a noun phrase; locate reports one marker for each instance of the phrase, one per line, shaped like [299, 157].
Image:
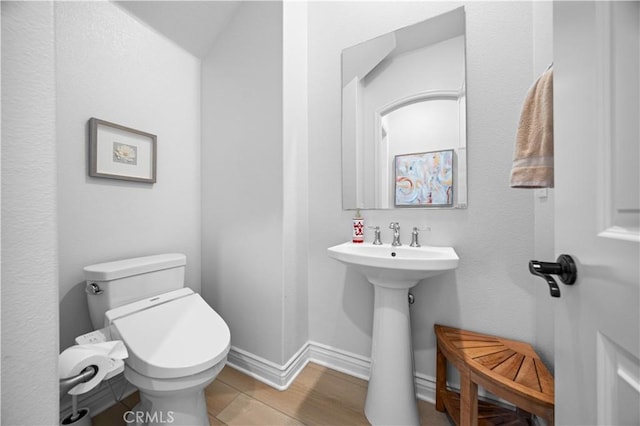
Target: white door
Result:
[597, 131]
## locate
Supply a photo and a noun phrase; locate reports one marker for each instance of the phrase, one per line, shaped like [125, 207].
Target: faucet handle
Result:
[376, 235]
[414, 235]
[394, 226]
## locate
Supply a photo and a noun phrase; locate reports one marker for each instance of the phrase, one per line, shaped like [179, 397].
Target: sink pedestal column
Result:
[391, 398]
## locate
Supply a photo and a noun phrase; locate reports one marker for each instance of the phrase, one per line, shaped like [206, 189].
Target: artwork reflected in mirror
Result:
[405, 93]
[424, 179]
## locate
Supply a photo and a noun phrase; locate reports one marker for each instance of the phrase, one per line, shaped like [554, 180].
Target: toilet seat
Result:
[172, 336]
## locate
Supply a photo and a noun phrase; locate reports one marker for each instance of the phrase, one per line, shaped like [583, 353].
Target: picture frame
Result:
[424, 179]
[119, 152]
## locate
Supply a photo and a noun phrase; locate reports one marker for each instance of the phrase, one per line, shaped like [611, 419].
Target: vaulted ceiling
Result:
[193, 25]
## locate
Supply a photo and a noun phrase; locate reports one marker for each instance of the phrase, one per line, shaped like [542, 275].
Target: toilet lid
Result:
[174, 339]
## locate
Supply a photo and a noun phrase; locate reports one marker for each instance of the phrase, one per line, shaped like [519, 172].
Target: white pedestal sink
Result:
[391, 398]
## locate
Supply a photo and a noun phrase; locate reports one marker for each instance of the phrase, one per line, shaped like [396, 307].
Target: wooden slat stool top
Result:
[507, 368]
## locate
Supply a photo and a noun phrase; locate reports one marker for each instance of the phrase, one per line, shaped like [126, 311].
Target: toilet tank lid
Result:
[142, 305]
[128, 267]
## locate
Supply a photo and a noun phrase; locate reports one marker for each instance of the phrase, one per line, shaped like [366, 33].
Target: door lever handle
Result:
[564, 268]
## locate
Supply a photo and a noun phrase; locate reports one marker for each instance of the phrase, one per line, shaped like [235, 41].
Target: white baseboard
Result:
[425, 387]
[280, 377]
[339, 360]
[268, 372]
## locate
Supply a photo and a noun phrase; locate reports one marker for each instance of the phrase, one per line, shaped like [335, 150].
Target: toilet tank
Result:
[113, 284]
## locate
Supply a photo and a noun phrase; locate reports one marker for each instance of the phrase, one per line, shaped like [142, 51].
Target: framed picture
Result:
[118, 152]
[424, 179]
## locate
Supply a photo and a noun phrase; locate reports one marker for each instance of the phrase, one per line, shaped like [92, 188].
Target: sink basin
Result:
[396, 267]
[391, 397]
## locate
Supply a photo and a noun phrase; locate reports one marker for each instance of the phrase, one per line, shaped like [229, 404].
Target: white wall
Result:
[110, 66]
[295, 177]
[242, 179]
[490, 291]
[544, 203]
[29, 245]
[254, 165]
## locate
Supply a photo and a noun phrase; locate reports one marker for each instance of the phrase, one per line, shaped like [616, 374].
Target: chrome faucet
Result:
[396, 233]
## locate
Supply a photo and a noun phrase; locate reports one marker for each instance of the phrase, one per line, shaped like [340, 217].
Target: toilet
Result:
[177, 343]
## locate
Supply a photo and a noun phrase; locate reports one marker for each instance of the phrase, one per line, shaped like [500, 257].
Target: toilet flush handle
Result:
[93, 289]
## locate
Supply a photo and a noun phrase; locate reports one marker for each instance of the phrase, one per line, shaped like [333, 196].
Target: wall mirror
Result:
[404, 118]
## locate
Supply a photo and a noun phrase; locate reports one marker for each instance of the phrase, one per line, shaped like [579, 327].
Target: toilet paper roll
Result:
[74, 359]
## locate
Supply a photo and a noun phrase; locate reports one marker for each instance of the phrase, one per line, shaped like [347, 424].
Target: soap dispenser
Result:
[358, 228]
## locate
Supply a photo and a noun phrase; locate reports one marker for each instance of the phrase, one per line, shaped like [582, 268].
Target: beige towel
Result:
[533, 153]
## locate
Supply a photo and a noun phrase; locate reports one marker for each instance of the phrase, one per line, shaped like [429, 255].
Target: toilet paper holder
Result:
[84, 376]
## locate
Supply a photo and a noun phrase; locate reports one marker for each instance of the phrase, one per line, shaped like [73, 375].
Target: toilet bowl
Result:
[177, 401]
[177, 343]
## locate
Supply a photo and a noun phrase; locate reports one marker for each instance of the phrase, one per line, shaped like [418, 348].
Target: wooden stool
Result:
[508, 369]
